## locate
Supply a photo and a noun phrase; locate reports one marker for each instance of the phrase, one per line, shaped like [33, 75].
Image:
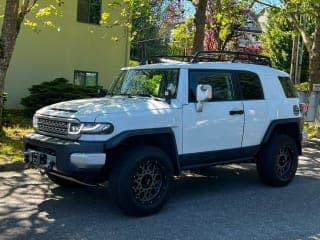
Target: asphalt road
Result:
[226, 202]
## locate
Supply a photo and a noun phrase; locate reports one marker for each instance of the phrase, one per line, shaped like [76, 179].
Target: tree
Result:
[182, 37]
[294, 10]
[225, 18]
[148, 30]
[277, 42]
[15, 12]
[217, 22]
[200, 23]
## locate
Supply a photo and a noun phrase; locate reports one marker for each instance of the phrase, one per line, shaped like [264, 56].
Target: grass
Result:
[311, 129]
[17, 124]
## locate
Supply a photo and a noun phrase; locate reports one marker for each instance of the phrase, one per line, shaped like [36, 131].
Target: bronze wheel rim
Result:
[284, 163]
[147, 182]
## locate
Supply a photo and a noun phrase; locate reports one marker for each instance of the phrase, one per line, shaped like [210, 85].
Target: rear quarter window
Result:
[288, 87]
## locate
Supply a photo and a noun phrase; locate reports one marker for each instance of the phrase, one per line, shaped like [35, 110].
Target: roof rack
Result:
[169, 58]
[218, 56]
[212, 56]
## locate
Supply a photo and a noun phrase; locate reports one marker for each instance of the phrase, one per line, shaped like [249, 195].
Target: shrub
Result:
[302, 86]
[57, 90]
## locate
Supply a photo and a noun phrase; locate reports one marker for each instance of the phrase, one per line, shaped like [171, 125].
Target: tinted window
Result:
[288, 87]
[220, 81]
[250, 86]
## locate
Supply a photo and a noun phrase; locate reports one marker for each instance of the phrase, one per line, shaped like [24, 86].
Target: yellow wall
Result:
[52, 53]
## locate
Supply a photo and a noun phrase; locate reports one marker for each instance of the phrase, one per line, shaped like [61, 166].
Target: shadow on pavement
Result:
[225, 202]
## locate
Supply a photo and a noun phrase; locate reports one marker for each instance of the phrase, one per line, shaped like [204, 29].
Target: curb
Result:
[12, 166]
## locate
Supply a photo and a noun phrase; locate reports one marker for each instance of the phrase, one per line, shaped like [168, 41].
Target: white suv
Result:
[160, 119]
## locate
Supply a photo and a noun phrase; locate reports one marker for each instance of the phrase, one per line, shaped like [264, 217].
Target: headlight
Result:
[35, 121]
[75, 128]
[91, 128]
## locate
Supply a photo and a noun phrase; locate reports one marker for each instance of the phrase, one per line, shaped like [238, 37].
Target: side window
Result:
[250, 86]
[288, 87]
[220, 81]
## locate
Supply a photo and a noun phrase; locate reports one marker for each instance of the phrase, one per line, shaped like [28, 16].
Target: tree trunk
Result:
[10, 29]
[314, 55]
[200, 22]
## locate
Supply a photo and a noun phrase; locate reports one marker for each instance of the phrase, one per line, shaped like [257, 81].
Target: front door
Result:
[219, 127]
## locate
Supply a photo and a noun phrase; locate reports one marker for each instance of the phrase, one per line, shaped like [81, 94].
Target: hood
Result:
[84, 108]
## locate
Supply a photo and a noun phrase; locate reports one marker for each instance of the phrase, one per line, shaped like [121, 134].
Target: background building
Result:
[79, 49]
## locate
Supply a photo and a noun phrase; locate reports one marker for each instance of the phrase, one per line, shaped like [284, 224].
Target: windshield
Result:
[146, 82]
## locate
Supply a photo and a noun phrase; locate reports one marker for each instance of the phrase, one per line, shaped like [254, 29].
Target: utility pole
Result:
[297, 54]
[293, 66]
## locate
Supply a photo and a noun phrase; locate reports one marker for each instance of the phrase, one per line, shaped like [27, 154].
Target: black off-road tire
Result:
[278, 161]
[141, 180]
[62, 182]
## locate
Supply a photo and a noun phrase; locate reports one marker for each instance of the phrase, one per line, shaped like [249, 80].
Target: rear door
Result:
[255, 108]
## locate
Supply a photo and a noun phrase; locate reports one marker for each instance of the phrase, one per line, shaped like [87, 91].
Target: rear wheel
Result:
[278, 161]
[140, 182]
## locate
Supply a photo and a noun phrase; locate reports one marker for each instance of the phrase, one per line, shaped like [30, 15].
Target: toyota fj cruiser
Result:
[160, 119]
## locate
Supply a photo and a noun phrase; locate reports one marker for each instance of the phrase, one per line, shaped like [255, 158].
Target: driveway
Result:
[227, 202]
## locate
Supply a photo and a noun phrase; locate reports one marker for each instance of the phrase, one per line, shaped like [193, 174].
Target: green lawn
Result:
[11, 146]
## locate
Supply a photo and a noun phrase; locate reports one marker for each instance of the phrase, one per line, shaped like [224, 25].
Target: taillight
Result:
[303, 107]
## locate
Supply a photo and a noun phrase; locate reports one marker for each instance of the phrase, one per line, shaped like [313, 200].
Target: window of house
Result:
[220, 81]
[89, 11]
[85, 78]
[250, 86]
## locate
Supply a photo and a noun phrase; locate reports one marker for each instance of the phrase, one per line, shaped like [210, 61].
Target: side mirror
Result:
[204, 93]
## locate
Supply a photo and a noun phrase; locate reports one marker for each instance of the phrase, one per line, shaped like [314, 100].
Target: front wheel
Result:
[141, 180]
[278, 161]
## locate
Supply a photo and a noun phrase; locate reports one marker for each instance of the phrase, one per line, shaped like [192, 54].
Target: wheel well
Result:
[290, 129]
[164, 141]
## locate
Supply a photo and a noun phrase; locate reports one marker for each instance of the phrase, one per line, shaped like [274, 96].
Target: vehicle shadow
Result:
[224, 202]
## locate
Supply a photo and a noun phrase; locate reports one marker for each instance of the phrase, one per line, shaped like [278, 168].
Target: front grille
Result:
[57, 127]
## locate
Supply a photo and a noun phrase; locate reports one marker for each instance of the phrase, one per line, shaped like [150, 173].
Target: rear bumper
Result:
[76, 159]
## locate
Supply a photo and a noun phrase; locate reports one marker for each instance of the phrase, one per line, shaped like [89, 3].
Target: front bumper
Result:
[77, 159]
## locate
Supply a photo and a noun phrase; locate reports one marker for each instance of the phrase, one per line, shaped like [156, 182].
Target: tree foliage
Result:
[224, 20]
[182, 37]
[294, 10]
[277, 42]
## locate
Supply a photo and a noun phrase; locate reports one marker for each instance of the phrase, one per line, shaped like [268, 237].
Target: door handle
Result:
[236, 112]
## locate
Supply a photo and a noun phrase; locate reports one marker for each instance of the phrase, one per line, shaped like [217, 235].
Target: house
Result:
[78, 49]
[249, 33]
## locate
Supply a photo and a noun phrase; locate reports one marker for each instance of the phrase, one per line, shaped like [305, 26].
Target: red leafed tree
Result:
[253, 48]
